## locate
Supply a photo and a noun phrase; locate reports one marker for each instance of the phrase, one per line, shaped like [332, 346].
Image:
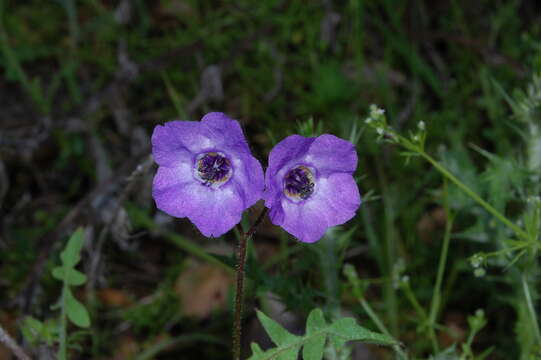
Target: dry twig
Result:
[12, 345]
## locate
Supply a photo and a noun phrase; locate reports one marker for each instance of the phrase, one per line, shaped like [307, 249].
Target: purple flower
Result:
[206, 172]
[309, 185]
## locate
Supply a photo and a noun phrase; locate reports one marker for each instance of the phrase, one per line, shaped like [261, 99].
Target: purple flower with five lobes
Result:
[309, 185]
[206, 172]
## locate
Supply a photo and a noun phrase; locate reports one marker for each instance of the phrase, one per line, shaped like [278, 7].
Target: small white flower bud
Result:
[479, 272]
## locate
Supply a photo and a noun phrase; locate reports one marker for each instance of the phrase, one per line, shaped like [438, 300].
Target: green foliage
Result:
[71, 308]
[313, 342]
[151, 317]
[36, 332]
[66, 273]
[473, 80]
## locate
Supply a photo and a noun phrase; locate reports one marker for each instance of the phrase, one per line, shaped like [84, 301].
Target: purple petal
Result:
[292, 148]
[215, 212]
[224, 131]
[170, 187]
[286, 153]
[337, 198]
[248, 177]
[335, 202]
[305, 221]
[175, 142]
[329, 154]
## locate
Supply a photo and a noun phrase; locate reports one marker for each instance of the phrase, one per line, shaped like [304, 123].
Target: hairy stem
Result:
[239, 292]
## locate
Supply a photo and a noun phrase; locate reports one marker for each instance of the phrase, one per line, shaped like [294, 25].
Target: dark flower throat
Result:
[213, 168]
[299, 183]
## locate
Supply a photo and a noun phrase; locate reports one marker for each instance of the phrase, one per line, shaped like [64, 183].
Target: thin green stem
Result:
[62, 350]
[520, 232]
[436, 297]
[531, 309]
[374, 317]
[413, 300]
[379, 324]
[389, 292]
[421, 312]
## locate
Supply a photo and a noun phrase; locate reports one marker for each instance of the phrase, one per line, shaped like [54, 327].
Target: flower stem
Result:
[239, 293]
[62, 348]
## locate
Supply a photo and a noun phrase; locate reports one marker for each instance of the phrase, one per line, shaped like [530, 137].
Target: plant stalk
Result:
[531, 309]
[239, 291]
[520, 232]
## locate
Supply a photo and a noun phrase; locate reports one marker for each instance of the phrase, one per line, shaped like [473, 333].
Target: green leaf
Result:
[277, 333]
[76, 311]
[313, 343]
[32, 330]
[314, 346]
[70, 256]
[348, 329]
[73, 278]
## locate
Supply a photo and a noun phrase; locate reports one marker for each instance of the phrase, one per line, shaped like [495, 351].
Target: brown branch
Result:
[12, 345]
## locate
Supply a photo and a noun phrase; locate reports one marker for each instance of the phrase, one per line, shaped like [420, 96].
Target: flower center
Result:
[299, 183]
[213, 169]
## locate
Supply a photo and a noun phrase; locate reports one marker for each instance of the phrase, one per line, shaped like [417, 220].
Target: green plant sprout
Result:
[313, 342]
[70, 307]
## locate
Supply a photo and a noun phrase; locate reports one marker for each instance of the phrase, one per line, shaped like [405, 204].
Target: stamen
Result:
[213, 169]
[299, 183]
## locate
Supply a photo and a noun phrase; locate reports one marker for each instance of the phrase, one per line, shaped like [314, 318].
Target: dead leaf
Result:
[430, 222]
[114, 297]
[126, 348]
[456, 323]
[202, 288]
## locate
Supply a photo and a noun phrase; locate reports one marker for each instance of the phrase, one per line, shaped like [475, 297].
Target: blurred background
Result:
[84, 82]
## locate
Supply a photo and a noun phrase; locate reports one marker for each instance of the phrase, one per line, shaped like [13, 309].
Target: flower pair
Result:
[207, 173]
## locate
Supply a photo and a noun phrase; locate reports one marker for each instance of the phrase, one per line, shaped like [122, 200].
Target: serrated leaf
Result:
[315, 322]
[287, 353]
[73, 278]
[70, 256]
[256, 350]
[348, 329]
[276, 332]
[341, 331]
[76, 311]
[291, 353]
[314, 346]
